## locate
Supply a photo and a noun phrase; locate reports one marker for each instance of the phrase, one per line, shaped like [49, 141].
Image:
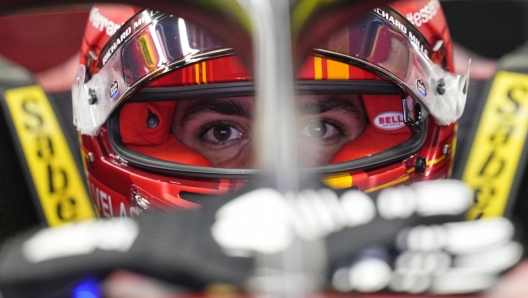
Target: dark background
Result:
[488, 28]
[41, 41]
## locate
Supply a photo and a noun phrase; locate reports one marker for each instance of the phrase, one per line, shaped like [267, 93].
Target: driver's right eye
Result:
[222, 132]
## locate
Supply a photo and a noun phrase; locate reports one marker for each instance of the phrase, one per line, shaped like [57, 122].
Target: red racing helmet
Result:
[165, 110]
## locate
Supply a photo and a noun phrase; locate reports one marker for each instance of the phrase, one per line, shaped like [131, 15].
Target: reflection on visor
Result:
[163, 42]
[382, 43]
[387, 44]
[148, 45]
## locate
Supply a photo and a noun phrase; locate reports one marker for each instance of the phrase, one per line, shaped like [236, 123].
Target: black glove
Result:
[219, 242]
[407, 239]
[175, 247]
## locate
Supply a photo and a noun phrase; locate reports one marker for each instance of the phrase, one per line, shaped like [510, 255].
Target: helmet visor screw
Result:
[92, 97]
[90, 159]
[440, 88]
[420, 164]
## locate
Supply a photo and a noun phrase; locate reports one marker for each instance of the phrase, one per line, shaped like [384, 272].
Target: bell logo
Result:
[389, 121]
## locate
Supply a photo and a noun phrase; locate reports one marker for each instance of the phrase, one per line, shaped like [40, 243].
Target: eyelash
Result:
[201, 133]
[338, 127]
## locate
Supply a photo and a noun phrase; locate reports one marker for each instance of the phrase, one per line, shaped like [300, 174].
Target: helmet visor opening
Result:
[338, 125]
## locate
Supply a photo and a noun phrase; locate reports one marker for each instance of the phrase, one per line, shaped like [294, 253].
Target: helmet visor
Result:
[148, 45]
[386, 43]
[152, 44]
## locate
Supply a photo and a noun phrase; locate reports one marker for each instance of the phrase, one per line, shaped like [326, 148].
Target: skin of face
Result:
[221, 129]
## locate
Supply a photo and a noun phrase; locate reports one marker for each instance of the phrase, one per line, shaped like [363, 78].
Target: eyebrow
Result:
[329, 104]
[243, 109]
[227, 107]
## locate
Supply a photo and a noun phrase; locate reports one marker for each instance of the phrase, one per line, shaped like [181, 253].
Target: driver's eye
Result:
[319, 129]
[221, 133]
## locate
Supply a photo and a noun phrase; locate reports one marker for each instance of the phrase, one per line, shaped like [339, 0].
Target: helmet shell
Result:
[121, 189]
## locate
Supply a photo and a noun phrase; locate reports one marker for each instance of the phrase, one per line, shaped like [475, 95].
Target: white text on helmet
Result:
[101, 22]
[136, 25]
[391, 19]
[425, 14]
[389, 121]
[415, 40]
[116, 43]
[102, 200]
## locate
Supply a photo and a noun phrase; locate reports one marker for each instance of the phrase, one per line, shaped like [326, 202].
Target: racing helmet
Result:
[165, 109]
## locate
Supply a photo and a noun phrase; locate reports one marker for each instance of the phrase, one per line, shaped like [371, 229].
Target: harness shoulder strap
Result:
[494, 157]
[44, 153]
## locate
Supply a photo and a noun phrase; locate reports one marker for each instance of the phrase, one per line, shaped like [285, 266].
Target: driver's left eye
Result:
[319, 129]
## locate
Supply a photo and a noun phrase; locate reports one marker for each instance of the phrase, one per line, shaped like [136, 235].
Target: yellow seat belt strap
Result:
[52, 170]
[496, 161]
